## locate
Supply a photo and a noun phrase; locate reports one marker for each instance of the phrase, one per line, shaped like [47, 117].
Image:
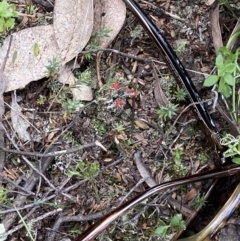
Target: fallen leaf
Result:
[98, 143]
[109, 14]
[28, 67]
[190, 195]
[107, 159]
[143, 170]
[205, 69]
[215, 28]
[81, 92]
[160, 97]
[73, 23]
[122, 137]
[19, 123]
[140, 137]
[210, 2]
[50, 136]
[141, 124]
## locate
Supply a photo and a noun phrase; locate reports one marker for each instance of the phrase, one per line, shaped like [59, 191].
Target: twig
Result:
[131, 56]
[2, 108]
[50, 154]
[10, 210]
[29, 184]
[54, 212]
[77, 218]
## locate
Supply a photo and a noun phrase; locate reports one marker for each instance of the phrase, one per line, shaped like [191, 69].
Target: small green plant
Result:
[28, 226]
[203, 158]
[177, 156]
[75, 230]
[41, 100]
[179, 169]
[198, 202]
[93, 43]
[85, 77]
[227, 77]
[99, 127]
[7, 15]
[70, 106]
[167, 111]
[86, 170]
[53, 67]
[233, 144]
[119, 127]
[137, 32]
[180, 94]
[3, 194]
[181, 46]
[176, 224]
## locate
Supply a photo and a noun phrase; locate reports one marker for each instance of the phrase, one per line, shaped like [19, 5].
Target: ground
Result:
[124, 118]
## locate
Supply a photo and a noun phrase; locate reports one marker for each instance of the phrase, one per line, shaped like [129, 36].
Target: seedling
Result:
[180, 94]
[167, 111]
[7, 15]
[233, 144]
[227, 77]
[86, 170]
[85, 77]
[53, 67]
[198, 202]
[119, 127]
[176, 224]
[99, 127]
[3, 194]
[94, 42]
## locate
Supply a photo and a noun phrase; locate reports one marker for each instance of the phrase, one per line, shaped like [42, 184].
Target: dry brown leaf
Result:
[19, 123]
[27, 66]
[73, 23]
[215, 27]
[109, 14]
[210, 2]
[140, 137]
[144, 171]
[141, 124]
[81, 92]
[122, 137]
[190, 195]
[107, 159]
[160, 97]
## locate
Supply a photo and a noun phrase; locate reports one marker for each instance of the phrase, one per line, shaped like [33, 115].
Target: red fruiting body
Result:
[119, 103]
[131, 93]
[116, 86]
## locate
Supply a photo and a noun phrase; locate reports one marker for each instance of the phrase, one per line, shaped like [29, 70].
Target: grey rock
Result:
[230, 232]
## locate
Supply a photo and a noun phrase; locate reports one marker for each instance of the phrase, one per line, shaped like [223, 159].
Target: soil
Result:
[110, 176]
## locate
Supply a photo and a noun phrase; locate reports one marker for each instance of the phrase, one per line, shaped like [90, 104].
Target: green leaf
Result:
[73, 173]
[3, 7]
[226, 91]
[219, 61]
[224, 50]
[236, 160]
[162, 229]
[1, 24]
[211, 80]
[221, 84]
[229, 79]
[230, 68]
[14, 57]
[10, 22]
[36, 49]
[177, 222]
